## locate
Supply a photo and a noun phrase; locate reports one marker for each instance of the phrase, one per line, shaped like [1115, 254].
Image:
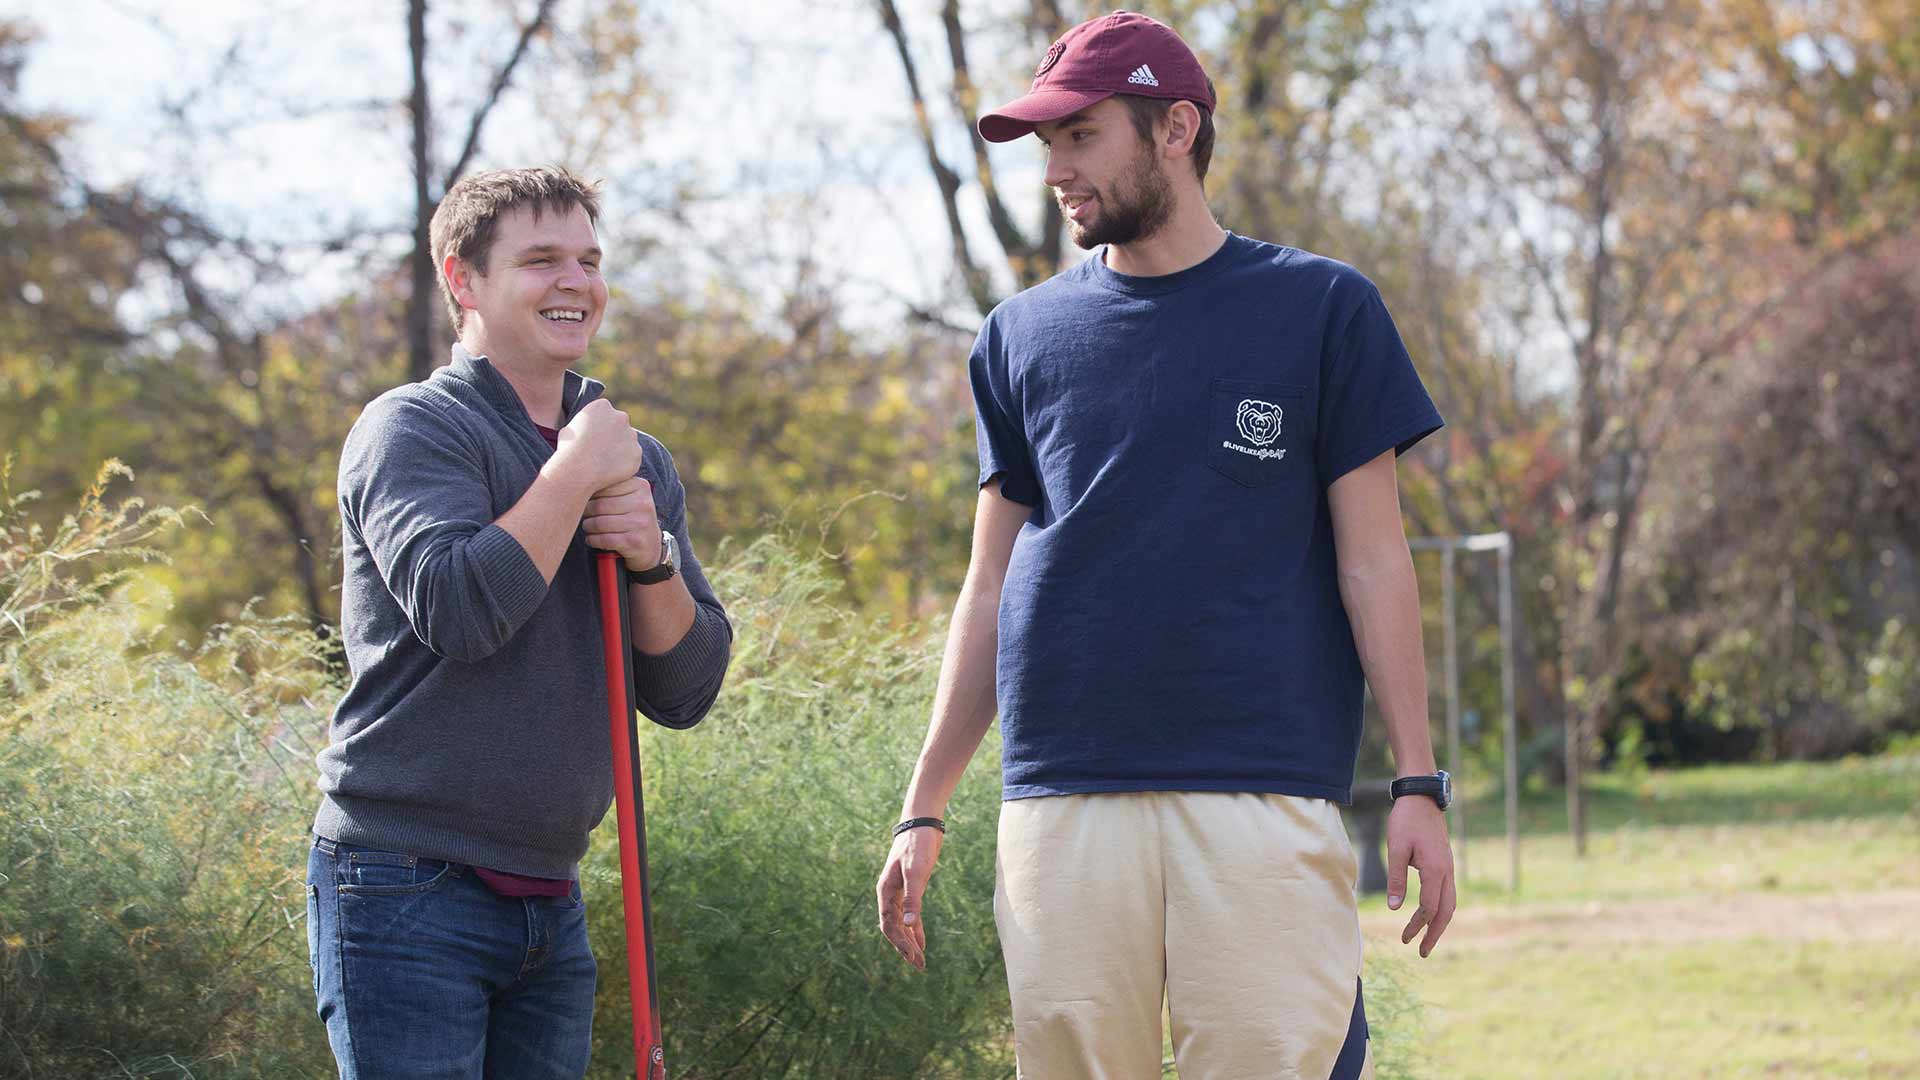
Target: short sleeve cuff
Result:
[1399, 438]
[1016, 486]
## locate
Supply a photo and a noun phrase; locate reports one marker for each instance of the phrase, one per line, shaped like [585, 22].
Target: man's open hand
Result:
[902, 885]
[1417, 837]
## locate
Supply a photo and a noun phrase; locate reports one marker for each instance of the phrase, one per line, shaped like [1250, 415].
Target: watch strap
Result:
[1433, 786]
[668, 566]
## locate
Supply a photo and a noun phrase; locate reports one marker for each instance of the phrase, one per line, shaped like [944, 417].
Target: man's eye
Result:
[539, 261]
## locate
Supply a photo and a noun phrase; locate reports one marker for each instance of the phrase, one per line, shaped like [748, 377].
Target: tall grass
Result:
[156, 800]
[767, 827]
[151, 921]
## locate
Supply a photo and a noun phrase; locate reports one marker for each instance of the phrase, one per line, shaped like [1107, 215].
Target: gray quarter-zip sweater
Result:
[474, 729]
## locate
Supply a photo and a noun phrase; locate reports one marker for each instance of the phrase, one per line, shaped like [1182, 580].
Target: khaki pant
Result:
[1238, 908]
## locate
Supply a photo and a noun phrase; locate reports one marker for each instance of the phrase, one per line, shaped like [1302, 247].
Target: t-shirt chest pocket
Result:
[1256, 432]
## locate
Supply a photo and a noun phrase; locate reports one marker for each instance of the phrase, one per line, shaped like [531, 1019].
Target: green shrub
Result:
[151, 852]
[767, 826]
[151, 919]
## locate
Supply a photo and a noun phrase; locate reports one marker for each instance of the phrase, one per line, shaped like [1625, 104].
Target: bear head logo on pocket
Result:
[1258, 421]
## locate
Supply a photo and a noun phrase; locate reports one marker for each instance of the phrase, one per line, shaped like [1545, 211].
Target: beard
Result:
[1140, 203]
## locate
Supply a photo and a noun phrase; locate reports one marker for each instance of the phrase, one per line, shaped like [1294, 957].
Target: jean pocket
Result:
[313, 934]
[1253, 430]
[367, 872]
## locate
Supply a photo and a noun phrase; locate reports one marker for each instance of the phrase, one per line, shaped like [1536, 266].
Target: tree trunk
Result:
[301, 537]
[1576, 769]
[420, 358]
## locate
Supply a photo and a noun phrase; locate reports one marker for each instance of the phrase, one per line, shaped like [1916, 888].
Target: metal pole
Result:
[1453, 706]
[1502, 543]
[1510, 737]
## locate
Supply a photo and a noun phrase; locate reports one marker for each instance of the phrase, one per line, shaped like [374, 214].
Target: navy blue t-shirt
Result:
[1171, 618]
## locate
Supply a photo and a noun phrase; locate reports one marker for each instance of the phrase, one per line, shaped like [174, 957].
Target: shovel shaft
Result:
[616, 632]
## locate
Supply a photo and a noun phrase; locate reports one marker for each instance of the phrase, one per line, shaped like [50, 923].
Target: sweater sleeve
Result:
[676, 688]
[418, 498]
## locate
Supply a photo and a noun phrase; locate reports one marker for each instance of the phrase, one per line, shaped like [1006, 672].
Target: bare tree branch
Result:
[966, 99]
[426, 191]
[979, 288]
[500, 80]
[1031, 261]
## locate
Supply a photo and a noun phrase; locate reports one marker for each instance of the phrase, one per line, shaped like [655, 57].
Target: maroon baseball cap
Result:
[1121, 53]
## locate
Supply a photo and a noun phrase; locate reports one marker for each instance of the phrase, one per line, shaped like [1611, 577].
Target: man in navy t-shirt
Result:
[1187, 557]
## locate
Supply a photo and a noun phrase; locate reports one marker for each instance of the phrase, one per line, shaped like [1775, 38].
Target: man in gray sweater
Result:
[469, 759]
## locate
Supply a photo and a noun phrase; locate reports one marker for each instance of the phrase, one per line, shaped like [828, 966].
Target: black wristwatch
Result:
[1438, 787]
[669, 563]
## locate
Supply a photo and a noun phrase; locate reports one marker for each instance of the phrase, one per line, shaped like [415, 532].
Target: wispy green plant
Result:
[767, 827]
[91, 551]
[151, 908]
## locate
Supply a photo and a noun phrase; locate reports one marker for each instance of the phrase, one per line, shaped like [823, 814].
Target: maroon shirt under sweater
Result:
[500, 881]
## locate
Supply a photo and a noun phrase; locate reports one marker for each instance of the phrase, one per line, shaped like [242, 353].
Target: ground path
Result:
[1891, 916]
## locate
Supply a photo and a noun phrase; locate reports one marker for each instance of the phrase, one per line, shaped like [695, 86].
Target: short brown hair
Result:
[1147, 112]
[463, 223]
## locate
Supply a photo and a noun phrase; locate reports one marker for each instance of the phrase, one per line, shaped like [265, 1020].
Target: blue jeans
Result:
[421, 971]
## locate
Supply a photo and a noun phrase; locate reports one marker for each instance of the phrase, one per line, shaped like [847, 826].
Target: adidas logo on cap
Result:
[1143, 75]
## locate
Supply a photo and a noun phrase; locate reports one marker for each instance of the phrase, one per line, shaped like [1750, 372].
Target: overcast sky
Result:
[793, 137]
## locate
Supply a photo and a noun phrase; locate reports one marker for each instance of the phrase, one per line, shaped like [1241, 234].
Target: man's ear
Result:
[1182, 126]
[459, 275]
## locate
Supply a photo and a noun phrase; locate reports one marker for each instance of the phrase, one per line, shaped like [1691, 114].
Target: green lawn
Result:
[1726, 922]
[1720, 795]
[1852, 824]
[1684, 860]
[1721, 1009]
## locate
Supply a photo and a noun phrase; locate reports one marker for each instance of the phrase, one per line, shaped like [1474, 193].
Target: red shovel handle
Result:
[616, 634]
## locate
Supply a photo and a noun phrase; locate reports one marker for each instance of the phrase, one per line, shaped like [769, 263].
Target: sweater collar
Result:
[478, 372]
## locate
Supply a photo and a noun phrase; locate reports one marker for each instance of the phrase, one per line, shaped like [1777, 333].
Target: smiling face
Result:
[1110, 184]
[539, 298]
